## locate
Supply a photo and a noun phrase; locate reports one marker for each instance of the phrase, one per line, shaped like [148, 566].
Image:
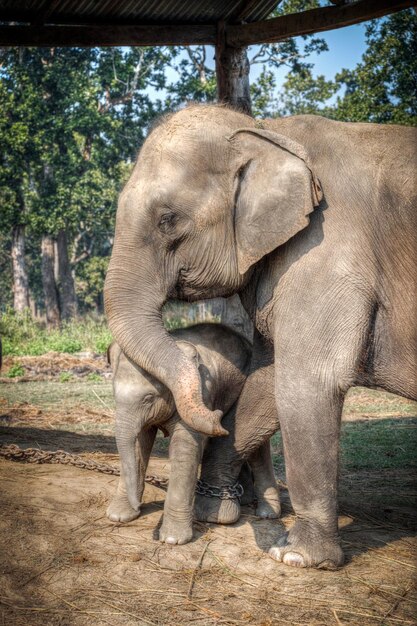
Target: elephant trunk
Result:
[134, 298]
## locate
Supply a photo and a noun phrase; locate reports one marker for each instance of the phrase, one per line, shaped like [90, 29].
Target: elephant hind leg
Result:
[246, 481]
[265, 485]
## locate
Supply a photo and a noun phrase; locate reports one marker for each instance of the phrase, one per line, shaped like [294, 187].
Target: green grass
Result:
[23, 336]
[369, 402]
[65, 377]
[15, 371]
[53, 395]
[370, 445]
[383, 444]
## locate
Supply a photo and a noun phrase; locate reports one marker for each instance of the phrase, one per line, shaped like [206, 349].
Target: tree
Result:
[71, 121]
[302, 93]
[196, 80]
[383, 87]
[16, 143]
[291, 54]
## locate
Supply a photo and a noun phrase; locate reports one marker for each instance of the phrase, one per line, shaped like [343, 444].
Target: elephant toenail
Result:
[294, 559]
[275, 553]
[171, 540]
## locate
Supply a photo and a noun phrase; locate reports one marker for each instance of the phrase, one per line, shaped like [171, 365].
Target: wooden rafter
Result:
[312, 21]
[171, 35]
[236, 36]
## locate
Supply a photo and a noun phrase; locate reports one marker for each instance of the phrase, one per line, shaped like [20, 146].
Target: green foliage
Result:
[196, 81]
[172, 322]
[71, 122]
[383, 87]
[302, 93]
[291, 54]
[23, 336]
[65, 377]
[90, 284]
[15, 371]
[262, 94]
[6, 293]
[92, 377]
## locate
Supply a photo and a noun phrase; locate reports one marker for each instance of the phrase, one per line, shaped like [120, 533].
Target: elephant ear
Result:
[190, 351]
[276, 192]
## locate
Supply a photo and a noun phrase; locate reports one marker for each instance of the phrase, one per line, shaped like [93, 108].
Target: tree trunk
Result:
[67, 297]
[232, 72]
[20, 277]
[233, 87]
[48, 282]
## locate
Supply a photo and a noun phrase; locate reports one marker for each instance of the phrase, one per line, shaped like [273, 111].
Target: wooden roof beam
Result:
[91, 36]
[236, 36]
[312, 21]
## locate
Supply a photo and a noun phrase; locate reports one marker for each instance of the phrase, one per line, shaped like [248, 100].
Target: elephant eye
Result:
[167, 222]
[148, 399]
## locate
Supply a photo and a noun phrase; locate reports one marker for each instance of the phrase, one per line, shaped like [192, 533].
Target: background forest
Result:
[72, 121]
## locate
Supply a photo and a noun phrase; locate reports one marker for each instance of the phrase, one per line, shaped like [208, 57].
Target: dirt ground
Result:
[64, 563]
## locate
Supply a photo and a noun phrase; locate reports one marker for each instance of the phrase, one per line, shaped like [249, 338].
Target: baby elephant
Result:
[143, 404]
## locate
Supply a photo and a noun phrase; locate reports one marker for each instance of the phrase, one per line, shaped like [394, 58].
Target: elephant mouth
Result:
[190, 292]
[190, 287]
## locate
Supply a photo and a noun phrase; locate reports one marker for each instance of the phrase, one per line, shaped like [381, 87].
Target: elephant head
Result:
[210, 195]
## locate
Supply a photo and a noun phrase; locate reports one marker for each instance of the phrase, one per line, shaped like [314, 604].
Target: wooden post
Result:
[232, 71]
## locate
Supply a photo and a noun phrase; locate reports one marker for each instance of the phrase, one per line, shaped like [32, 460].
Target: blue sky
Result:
[346, 46]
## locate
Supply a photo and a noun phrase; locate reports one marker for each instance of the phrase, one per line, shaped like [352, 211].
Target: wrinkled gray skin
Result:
[143, 404]
[329, 278]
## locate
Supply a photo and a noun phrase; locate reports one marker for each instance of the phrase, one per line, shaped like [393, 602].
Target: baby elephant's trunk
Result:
[134, 444]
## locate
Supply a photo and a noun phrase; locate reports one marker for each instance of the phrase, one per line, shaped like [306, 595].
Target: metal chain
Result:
[34, 455]
[225, 492]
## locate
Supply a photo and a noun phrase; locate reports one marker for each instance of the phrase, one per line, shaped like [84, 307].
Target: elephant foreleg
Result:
[313, 372]
[310, 422]
[185, 451]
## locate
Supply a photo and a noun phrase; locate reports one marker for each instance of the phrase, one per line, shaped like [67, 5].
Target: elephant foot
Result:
[175, 533]
[305, 545]
[269, 505]
[119, 510]
[216, 510]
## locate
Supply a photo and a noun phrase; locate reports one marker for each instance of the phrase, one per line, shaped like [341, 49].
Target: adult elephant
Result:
[314, 223]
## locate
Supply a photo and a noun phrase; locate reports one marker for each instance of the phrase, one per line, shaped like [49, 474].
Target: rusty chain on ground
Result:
[34, 455]
[224, 492]
[13, 452]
